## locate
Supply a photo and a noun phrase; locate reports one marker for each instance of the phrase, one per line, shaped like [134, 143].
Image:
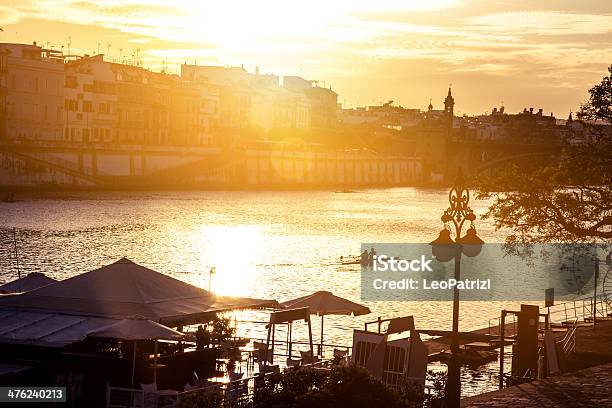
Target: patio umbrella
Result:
[33, 280]
[137, 329]
[326, 303]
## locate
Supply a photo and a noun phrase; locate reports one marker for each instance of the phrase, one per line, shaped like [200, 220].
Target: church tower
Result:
[449, 106]
[449, 103]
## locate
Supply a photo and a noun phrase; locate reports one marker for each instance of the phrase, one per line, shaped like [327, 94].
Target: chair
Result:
[291, 362]
[308, 357]
[260, 354]
[264, 369]
[340, 353]
[152, 387]
[150, 398]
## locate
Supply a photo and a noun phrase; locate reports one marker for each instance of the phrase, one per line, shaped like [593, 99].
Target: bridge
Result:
[475, 156]
[119, 166]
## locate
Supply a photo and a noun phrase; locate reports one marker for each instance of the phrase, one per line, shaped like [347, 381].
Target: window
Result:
[104, 108]
[71, 82]
[87, 106]
[71, 105]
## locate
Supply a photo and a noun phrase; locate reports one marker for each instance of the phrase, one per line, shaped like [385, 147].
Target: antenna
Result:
[16, 253]
[69, 44]
[98, 49]
[120, 51]
[108, 45]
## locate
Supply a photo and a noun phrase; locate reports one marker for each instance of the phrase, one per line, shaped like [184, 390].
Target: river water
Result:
[278, 245]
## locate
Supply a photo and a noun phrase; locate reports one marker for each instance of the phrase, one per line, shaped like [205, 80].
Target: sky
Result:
[522, 53]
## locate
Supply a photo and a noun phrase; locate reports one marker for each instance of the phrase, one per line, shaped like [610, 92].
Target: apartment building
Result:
[90, 103]
[31, 93]
[254, 103]
[126, 104]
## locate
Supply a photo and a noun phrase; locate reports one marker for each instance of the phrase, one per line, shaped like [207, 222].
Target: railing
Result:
[117, 397]
[56, 162]
[229, 394]
[584, 309]
[282, 346]
[567, 345]
[497, 321]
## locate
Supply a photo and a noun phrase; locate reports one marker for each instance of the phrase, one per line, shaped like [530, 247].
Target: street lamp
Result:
[444, 249]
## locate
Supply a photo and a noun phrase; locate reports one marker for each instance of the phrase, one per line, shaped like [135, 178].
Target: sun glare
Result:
[234, 252]
[239, 25]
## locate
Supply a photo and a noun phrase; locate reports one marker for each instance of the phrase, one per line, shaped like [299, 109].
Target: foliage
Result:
[209, 398]
[563, 197]
[343, 386]
[599, 105]
[222, 329]
[305, 387]
[438, 380]
[293, 388]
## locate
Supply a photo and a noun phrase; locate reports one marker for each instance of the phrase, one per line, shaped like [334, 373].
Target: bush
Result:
[306, 387]
[208, 398]
[343, 386]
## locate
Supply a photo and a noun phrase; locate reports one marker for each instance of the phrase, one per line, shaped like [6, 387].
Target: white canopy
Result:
[128, 329]
[125, 289]
[47, 329]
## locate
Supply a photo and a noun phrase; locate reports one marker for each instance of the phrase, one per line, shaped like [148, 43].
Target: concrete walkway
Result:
[591, 387]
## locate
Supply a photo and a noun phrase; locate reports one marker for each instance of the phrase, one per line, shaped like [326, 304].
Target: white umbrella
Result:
[326, 303]
[137, 329]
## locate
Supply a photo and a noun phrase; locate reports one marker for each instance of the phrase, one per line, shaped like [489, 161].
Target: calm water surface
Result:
[278, 245]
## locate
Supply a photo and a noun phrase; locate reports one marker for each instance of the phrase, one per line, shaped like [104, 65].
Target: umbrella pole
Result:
[310, 336]
[321, 346]
[155, 364]
[290, 338]
[133, 363]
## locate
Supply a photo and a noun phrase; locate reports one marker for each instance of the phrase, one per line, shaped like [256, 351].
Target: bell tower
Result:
[449, 103]
[449, 107]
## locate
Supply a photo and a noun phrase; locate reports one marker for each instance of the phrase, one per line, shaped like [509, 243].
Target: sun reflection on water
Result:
[234, 251]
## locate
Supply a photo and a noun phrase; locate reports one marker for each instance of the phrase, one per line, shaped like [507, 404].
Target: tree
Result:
[599, 105]
[561, 197]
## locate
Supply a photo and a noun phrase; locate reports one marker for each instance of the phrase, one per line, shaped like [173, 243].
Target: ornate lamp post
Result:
[444, 249]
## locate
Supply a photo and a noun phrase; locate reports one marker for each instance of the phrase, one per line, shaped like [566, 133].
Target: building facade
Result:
[31, 93]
